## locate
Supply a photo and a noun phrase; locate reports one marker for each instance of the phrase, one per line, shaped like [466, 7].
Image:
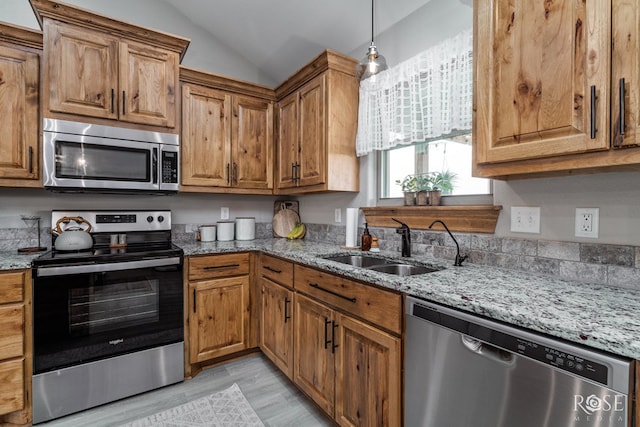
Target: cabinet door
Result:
[276, 327]
[19, 114]
[148, 83]
[367, 361]
[625, 64]
[252, 147]
[206, 136]
[313, 143]
[218, 318]
[313, 366]
[83, 71]
[287, 154]
[12, 395]
[536, 63]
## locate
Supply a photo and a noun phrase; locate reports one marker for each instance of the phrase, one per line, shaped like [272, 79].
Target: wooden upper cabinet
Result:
[148, 84]
[317, 119]
[312, 167]
[82, 71]
[101, 70]
[252, 142]
[625, 74]
[227, 134]
[206, 136]
[537, 64]
[19, 123]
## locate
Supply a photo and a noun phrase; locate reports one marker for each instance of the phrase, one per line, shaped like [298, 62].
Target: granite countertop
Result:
[597, 316]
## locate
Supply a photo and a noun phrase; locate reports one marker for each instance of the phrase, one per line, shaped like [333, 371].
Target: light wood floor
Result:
[276, 401]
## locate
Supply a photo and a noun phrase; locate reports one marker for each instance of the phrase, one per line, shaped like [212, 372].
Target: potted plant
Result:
[441, 182]
[409, 188]
[423, 186]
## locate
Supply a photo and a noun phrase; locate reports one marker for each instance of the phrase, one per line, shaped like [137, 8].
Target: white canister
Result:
[207, 233]
[245, 228]
[225, 231]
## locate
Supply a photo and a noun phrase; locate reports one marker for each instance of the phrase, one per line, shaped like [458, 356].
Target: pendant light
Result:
[373, 62]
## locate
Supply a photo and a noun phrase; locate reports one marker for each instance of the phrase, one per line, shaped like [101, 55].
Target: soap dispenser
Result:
[365, 242]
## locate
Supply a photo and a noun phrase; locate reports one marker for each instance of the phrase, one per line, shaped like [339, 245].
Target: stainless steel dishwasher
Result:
[462, 370]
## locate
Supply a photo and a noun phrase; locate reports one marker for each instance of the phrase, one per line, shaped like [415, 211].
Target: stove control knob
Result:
[149, 218]
[160, 218]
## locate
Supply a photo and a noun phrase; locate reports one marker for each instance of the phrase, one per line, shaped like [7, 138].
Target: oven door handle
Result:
[100, 268]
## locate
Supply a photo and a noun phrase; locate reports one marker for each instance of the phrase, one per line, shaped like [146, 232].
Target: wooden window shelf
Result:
[466, 219]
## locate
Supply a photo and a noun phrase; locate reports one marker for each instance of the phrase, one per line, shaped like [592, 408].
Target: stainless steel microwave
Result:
[88, 157]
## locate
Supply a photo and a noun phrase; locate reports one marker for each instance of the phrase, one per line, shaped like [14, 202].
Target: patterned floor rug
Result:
[223, 409]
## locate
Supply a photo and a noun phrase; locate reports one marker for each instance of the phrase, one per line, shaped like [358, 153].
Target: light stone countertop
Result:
[597, 316]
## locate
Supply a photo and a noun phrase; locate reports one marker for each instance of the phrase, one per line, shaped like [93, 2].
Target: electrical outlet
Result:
[587, 222]
[525, 219]
[224, 213]
[337, 214]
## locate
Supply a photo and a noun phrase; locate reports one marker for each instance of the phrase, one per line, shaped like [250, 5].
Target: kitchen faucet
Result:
[459, 259]
[406, 237]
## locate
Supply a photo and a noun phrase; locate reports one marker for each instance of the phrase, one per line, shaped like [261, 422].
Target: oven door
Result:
[84, 313]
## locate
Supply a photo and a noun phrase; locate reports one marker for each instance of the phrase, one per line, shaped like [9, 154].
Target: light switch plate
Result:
[224, 213]
[525, 219]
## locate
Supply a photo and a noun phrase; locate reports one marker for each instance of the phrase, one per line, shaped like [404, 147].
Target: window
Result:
[446, 153]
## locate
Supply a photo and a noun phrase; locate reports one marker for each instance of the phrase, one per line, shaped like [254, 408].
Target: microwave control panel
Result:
[170, 167]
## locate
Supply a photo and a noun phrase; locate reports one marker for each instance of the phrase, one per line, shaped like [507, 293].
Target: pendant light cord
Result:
[372, 2]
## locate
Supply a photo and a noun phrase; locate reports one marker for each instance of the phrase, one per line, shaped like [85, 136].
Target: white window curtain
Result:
[424, 97]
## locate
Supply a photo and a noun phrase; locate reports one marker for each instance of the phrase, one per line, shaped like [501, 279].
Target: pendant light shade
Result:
[372, 62]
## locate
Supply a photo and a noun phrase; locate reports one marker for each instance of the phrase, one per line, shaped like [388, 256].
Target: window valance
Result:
[423, 97]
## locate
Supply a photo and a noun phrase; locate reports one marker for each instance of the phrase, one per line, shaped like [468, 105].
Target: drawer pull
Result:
[593, 117]
[334, 325]
[327, 322]
[275, 270]
[218, 267]
[329, 291]
[287, 316]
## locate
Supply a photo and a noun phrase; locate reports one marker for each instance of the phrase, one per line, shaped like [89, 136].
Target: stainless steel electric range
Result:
[107, 319]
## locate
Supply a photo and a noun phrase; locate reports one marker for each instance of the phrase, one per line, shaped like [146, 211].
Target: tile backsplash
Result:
[614, 265]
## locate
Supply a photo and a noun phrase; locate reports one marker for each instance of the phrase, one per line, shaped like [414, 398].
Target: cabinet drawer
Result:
[11, 287]
[382, 308]
[278, 270]
[11, 386]
[213, 266]
[11, 332]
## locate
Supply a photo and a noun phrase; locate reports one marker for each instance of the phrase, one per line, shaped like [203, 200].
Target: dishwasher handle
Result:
[488, 351]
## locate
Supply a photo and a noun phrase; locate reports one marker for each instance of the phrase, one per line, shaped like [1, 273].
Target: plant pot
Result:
[409, 198]
[422, 198]
[434, 197]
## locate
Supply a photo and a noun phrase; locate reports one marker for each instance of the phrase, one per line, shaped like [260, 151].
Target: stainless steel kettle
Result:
[72, 238]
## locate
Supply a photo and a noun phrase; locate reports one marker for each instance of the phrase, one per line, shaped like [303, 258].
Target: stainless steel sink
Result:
[382, 265]
[402, 269]
[359, 260]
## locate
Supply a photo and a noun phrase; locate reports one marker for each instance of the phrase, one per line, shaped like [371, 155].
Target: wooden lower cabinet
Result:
[276, 326]
[16, 349]
[218, 307]
[350, 369]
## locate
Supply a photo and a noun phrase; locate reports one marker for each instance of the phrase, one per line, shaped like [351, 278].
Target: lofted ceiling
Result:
[280, 36]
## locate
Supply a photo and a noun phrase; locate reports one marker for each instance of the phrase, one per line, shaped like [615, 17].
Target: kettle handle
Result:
[66, 220]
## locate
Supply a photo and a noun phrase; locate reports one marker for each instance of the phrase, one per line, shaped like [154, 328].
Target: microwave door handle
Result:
[154, 166]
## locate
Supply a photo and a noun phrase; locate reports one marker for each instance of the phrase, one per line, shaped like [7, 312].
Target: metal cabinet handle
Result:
[266, 267]
[124, 101]
[327, 322]
[217, 267]
[329, 291]
[622, 95]
[194, 300]
[228, 173]
[287, 316]
[113, 99]
[293, 171]
[30, 159]
[334, 326]
[297, 172]
[235, 173]
[594, 98]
